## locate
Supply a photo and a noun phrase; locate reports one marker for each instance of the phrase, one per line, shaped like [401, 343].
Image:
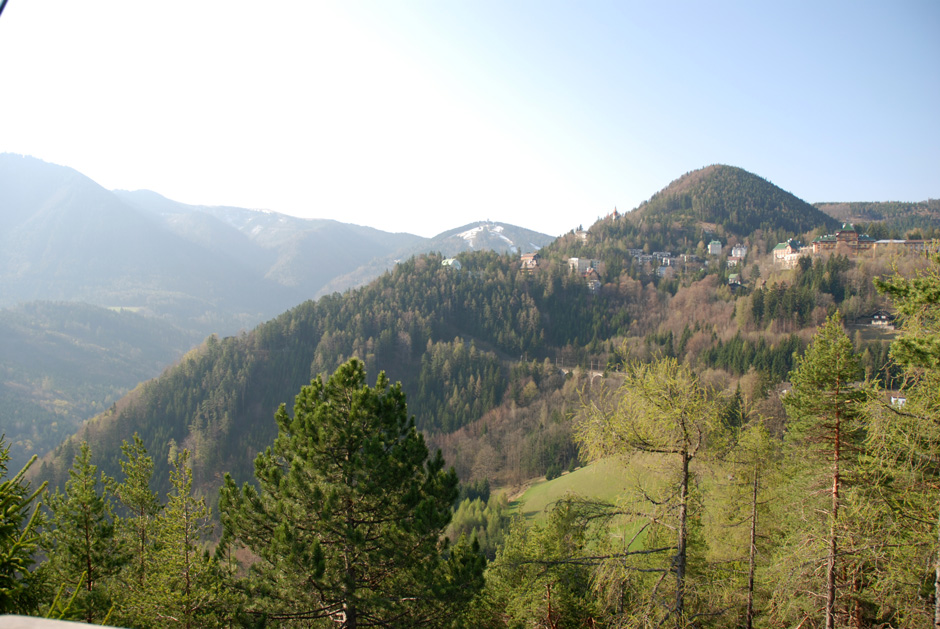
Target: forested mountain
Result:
[475, 345]
[484, 235]
[727, 201]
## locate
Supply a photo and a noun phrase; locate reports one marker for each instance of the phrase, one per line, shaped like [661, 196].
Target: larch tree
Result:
[739, 512]
[660, 410]
[825, 433]
[348, 516]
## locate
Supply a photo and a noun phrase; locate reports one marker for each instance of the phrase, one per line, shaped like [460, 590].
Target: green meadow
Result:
[603, 480]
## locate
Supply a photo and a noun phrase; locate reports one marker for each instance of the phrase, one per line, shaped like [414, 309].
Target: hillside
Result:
[894, 220]
[729, 201]
[61, 363]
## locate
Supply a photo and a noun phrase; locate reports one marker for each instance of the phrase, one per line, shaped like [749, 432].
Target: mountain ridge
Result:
[214, 269]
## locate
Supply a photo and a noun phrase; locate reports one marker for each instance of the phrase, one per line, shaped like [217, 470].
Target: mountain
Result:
[300, 254]
[730, 201]
[65, 238]
[210, 269]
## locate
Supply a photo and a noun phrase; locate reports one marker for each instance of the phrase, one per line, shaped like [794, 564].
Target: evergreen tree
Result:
[84, 552]
[141, 504]
[184, 584]
[18, 538]
[905, 457]
[825, 433]
[543, 574]
[348, 519]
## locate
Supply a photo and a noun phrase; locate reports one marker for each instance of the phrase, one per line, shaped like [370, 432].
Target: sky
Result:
[424, 115]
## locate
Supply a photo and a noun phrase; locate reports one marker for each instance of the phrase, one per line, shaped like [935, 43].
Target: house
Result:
[787, 253]
[584, 265]
[881, 319]
[734, 280]
[714, 248]
[846, 240]
[735, 261]
[453, 263]
[739, 251]
[530, 261]
[579, 265]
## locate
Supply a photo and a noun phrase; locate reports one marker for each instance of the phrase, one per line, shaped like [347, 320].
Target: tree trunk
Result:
[681, 542]
[936, 582]
[752, 553]
[833, 530]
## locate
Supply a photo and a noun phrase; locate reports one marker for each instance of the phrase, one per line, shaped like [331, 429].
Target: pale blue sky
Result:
[421, 116]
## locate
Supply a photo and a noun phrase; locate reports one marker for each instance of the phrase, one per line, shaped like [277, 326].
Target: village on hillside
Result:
[785, 255]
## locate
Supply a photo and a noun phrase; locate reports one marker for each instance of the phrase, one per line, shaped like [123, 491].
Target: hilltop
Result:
[730, 201]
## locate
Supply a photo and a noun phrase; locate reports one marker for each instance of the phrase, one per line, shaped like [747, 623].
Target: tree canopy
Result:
[348, 518]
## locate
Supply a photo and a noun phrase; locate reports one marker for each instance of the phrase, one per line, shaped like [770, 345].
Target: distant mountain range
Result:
[212, 269]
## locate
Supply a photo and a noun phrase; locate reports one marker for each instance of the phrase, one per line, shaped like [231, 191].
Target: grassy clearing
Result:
[604, 480]
[872, 333]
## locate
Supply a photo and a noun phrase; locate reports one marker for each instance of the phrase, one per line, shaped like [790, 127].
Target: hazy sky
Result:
[421, 116]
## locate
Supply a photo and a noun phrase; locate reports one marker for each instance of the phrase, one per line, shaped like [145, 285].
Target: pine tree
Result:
[825, 433]
[543, 575]
[18, 537]
[350, 514]
[84, 552]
